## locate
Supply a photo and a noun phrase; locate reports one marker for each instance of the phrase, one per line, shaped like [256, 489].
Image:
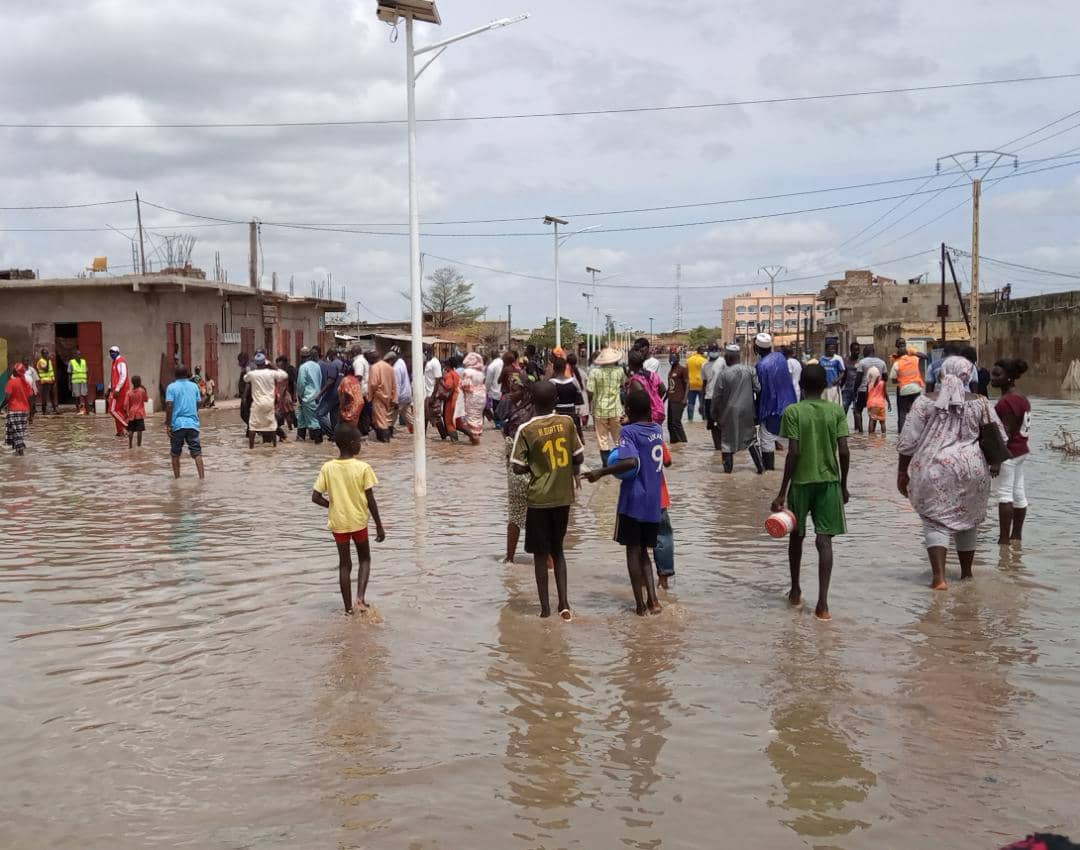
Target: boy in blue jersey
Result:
[641, 447]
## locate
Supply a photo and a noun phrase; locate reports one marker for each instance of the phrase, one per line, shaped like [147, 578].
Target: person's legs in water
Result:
[825, 564]
[251, 439]
[664, 552]
[559, 560]
[966, 542]
[363, 572]
[729, 461]
[637, 584]
[540, 568]
[345, 574]
[199, 466]
[649, 581]
[937, 567]
[176, 466]
[513, 534]
[603, 457]
[795, 548]
[131, 439]
[1018, 517]
[1005, 522]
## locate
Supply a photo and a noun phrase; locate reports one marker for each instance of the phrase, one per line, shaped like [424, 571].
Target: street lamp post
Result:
[773, 273]
[425, 11]
[594, 272]
[556, 221]
[589, 343]
[650, 328]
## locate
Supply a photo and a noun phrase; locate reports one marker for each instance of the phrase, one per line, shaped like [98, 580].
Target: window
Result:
[792, 323]
[778, 324]
[791, 308]
[752, 310]
[765, 308]
[740, 310]
[740, 326]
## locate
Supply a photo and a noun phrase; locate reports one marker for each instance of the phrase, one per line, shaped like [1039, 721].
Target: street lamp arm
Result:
[446, 42]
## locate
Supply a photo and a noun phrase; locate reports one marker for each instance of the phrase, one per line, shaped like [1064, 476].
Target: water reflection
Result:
[639, 720]
[823, 776]
[547, 686]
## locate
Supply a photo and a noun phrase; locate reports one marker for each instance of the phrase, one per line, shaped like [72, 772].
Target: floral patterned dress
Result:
[950, 479]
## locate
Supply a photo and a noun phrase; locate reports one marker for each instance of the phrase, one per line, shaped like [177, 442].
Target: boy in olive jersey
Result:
[548, 449]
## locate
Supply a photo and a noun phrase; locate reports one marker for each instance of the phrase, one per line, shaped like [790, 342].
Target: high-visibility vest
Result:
[907, 371]
[45, 370]
[78, 370]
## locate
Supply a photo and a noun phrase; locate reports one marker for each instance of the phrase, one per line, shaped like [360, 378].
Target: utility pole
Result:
[773, 272]
[976, 179]
[142, 245]
[678, 298]
[509, 330]
[650, 327]
[253, 254]
[943, 307]
[358, 322]
[590, 343]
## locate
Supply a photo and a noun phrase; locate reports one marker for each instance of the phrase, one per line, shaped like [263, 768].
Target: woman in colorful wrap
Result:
[515, 409]
[475, 392]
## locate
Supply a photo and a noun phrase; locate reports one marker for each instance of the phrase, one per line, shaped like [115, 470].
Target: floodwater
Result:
[177, 672]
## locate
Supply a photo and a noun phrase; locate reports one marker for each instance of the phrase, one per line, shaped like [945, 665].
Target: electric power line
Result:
[12, 125]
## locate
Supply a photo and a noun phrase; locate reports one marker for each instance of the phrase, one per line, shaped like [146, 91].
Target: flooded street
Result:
[177, 671]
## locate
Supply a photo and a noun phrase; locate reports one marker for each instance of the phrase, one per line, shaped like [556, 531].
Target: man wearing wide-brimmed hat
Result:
[604, 385]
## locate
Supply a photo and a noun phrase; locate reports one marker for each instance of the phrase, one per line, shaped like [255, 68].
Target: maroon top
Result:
[1019, 407]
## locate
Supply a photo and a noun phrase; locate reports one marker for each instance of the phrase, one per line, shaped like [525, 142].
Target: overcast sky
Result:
[121, 61]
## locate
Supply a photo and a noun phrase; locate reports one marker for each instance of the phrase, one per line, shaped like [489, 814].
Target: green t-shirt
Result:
[817, 425]
[549, 447]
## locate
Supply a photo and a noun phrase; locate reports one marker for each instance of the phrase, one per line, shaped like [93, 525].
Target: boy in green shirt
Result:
[548, 449]
[817, 472]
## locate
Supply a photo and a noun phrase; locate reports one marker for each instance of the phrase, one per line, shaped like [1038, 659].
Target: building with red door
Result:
[157, 321]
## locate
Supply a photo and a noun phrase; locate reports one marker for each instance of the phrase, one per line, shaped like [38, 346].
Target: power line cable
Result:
[69, 206]
[12, 125]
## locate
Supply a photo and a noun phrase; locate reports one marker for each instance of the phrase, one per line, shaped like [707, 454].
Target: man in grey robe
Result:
[732, 411]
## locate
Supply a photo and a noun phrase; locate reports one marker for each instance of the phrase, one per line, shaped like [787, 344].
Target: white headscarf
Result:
[873, 375]
[953, 383]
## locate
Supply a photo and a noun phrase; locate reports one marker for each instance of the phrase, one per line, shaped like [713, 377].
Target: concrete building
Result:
[854, 306]
[157, 321]
[1043, 330]
[786, 317]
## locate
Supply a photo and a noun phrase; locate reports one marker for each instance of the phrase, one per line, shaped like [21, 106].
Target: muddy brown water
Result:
[177, 673]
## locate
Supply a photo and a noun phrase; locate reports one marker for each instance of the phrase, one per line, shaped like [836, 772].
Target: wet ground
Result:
[177, 671]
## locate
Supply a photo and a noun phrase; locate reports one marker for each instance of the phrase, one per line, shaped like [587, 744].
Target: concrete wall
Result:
[1043, 330]
[136, 321]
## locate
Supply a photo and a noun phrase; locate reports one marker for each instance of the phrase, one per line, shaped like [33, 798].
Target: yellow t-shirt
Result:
[346, 482]
[693, 366]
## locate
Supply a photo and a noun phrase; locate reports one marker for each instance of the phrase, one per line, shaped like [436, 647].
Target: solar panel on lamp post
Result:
[425, 11]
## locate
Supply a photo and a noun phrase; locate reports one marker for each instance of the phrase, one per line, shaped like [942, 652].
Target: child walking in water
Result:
[345, 486]
[548, 449]
[877, 399]
[816, 470]
[135, 410]
[637, 525]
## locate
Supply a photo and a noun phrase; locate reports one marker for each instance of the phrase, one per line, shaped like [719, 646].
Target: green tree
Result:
[545, 337]
[702, 335]
[449, 298]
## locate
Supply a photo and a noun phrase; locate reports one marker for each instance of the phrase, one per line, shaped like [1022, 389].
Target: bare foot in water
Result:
[822, 613]
[363, 606]
[664, 582]
[566, 614]
[794, 598]
[655, 608]
[939, 585]
[545, 613]
[349, 612]
[641, 610]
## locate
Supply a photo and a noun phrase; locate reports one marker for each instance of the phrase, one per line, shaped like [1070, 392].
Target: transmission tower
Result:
[678, 298]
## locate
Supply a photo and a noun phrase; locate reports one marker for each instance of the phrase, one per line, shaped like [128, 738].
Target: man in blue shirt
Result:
[182, 399]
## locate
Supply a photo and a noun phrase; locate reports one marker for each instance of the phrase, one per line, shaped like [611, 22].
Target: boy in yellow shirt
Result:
[346, 486]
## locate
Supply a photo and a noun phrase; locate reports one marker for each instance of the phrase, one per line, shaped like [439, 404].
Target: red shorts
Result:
[356, 536]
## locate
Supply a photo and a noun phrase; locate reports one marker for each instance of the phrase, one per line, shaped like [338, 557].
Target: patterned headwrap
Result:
[473, 361]
[954, 380]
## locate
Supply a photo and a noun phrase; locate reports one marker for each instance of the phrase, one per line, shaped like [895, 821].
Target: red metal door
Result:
[171, 351]
[210, 347]
[247, 341]
[299, 345]
[283, 343]
[185, 346]
[89, 334]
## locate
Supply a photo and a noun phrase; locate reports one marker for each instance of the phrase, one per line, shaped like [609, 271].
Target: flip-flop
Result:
[566, 614]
